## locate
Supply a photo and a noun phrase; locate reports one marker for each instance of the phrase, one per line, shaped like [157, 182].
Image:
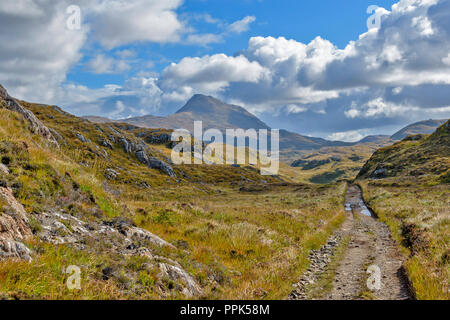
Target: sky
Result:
[324, 68]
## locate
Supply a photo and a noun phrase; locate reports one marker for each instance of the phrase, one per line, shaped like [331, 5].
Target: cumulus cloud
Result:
[37, 48]
[211, 74]
[119, 22]
[400, 70]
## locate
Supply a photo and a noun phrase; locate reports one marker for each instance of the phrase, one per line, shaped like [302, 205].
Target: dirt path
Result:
[370, 245]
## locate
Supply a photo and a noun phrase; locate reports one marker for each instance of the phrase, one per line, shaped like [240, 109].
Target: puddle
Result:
[355, 201]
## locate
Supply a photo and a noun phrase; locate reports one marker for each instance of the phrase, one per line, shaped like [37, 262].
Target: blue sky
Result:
[312, 67]
[337, 21]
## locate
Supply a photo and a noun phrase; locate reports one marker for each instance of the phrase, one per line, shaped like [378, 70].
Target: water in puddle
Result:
[366, 211]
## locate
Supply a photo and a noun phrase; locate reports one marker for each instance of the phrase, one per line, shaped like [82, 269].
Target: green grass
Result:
[419, 219]
[236, 244]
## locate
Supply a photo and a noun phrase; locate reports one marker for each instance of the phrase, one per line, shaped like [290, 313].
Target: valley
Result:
[105, 197]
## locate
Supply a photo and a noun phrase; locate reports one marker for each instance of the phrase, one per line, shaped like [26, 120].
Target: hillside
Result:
[107, 199]
[422, 127]
[407, 185]
[415, 155]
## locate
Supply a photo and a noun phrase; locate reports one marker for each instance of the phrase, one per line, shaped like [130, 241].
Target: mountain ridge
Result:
[220, 115]
[421, 127]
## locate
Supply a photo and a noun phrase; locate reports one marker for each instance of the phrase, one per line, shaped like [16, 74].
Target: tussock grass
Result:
[419, 217]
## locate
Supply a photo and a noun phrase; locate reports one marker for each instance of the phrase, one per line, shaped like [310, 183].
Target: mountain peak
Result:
[200, 104]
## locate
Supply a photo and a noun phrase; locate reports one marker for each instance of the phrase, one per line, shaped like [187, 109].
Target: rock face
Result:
[36, 125]
[14, 227]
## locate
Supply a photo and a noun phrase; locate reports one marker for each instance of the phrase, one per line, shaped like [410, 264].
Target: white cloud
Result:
[241, 26]
[292, 108]
[347, 136]
[120, 22]
[211, 73]
[446, 60]
[37, 49]
[204, 39]
[126, 53]
[102, 64]
[410, 51]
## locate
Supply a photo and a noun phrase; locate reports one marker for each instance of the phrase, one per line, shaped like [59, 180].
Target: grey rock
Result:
[82, 138]
[380, 173]
[105, 143]
[14, 227]
[4, 169]
[155, 163]
[177, 274]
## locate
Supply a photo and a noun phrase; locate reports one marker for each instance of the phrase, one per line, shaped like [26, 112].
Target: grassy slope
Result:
[414, 202]
[249, 244]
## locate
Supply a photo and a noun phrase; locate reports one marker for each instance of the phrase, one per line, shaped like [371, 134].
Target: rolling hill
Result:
[422, 127]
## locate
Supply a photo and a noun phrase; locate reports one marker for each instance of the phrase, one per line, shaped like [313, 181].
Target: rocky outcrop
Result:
[36, 125]
[175, 273]
[14, 227]
[119, 236]
[82, 138]
[154, 163]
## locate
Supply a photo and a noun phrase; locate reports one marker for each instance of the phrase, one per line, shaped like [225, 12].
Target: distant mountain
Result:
[219, 115]
[97, 119]
[211, 111]
[422, 127]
